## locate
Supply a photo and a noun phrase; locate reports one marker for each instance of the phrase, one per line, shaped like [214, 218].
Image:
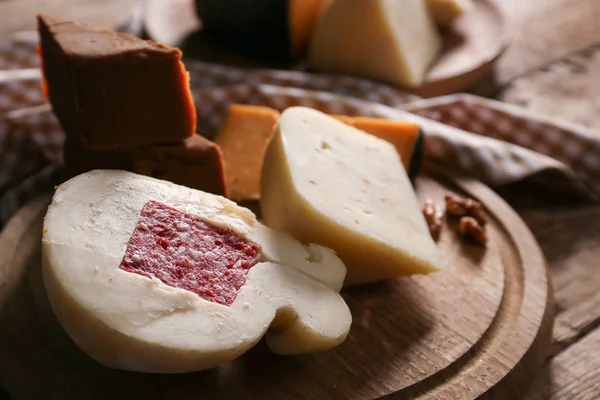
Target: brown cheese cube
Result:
[114, 91]
[196, 163]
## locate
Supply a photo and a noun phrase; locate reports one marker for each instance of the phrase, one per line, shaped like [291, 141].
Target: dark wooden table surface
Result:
[552, 67]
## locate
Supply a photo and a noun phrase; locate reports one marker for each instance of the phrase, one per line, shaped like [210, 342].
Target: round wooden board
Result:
[480, 327]
[470, 46]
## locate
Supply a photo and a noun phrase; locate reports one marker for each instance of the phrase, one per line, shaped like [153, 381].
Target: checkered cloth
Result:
[491, 141]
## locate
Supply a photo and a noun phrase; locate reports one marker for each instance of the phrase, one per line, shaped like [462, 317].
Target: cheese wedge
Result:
[388, 40]
[328, 183]
[445, 12]
[109, 243]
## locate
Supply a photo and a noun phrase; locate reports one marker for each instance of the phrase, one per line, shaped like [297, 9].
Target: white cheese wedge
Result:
[132, 322]
[389, 40]
[328, 183]
[444, 12]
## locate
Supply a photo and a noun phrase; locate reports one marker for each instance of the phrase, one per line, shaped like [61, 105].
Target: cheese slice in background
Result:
[328, 183]
[126, 315]
[389, 40]
[445, 12]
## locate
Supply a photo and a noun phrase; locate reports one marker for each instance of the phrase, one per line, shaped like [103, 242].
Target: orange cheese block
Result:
[302, 18]
[243, 139]
[196, 163]
[245, 132]
[43, 82]
[114, 91]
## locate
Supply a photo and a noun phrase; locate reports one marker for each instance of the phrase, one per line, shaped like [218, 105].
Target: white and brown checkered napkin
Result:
[493, 142]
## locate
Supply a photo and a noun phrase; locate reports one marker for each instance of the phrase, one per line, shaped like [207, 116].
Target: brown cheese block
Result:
[243, 139]
[114, 91]
[196, 163]
[245, 133]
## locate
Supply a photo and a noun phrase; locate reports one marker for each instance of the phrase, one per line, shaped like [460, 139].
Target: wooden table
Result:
[552, 67]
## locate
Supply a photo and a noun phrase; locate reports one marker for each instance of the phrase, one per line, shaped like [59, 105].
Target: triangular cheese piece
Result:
[389, 40]
[328, 183]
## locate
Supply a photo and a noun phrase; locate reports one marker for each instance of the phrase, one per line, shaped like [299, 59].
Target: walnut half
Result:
[458, 207]
[470, 228]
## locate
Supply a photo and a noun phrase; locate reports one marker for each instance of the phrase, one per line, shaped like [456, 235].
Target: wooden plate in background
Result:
[471, 45]
[481, 327]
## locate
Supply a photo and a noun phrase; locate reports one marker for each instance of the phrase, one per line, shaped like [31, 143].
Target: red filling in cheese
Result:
[186, 252]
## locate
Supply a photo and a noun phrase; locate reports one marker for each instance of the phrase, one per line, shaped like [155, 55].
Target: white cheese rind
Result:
[388, 40]
[128, 321]
[326, 182]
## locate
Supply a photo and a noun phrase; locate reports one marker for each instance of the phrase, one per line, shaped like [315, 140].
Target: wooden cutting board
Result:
[481, 327]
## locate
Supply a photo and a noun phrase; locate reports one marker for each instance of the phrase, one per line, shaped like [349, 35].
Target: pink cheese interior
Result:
[186, 252]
